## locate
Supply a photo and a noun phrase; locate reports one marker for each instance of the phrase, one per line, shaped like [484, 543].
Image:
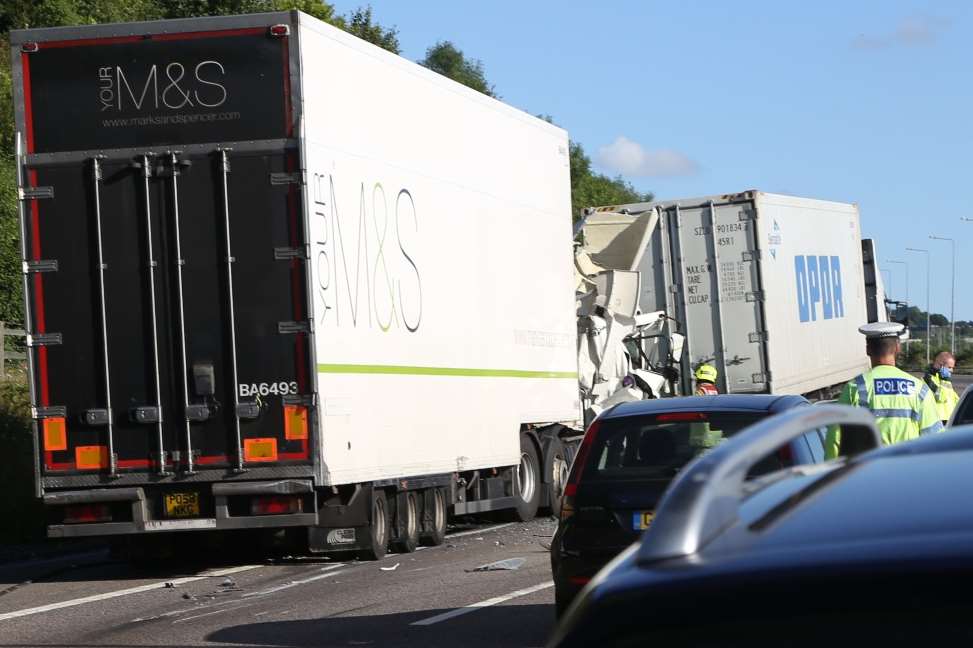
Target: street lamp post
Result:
[952, 294]
[928, 328]
[888, 283]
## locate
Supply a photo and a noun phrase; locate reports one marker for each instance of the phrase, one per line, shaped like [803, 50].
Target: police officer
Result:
[937, 378]
[706, 375]
[903, 406]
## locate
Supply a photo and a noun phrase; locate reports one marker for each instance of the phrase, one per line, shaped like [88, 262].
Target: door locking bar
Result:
[224, 162]
[96, 178]
[143, 164]
[174, 166]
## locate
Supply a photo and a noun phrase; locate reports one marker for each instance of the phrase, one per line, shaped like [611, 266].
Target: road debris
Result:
[510, 564]
[392, 568]
[170, 585]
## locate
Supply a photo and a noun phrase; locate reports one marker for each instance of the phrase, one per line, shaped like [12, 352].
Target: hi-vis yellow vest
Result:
[902, 404]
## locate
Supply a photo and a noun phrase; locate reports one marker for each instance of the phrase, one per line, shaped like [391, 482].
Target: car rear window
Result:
[658, 446]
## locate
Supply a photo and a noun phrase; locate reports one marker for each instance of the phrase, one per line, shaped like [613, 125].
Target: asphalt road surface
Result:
[429, 598]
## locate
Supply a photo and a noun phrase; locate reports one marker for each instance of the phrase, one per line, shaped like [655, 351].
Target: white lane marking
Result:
[200, 616]
[125, 592]
[480, 531]
[482, 604]
[295, 583]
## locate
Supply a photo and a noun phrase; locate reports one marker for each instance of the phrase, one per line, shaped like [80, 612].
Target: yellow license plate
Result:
[180, 505]
[642, 519]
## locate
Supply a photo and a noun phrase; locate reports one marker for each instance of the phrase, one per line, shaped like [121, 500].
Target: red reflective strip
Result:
[83, 513]
[114, 40]
[275, 505]
[40, 323]
[28, 103]
[211, 459]
[246, 31]
[297, 293]
[81, 42]
[288, 121]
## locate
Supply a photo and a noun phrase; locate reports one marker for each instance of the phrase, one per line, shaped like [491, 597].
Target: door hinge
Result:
[293, 327]
[35, 193]
[50, 411]
[197, 412]
[44, 265]
[751, 255]
[761, 377]
[248, 410]
[96, 417]
[286, 253]
[758, 336]
[294, 177]
[747, 214]
[44, 339]
[307, 400]
[146, 414]
[755, 296]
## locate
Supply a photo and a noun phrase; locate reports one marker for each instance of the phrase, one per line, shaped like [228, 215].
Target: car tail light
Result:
[87, 513]
[277, 505]
[681, 416]
[574, 478]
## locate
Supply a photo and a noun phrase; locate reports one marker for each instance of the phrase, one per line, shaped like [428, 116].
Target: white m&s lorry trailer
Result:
[270, 284]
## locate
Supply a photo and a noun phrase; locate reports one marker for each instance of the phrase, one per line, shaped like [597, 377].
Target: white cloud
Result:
[914, 31]
[630, 159]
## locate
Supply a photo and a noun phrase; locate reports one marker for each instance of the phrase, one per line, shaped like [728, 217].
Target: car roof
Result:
[721, 402]
[895, 492]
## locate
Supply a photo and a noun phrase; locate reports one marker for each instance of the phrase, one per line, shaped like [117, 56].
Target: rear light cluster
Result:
[681, 416]
[87, 513]
[574, 478]
[276, 505]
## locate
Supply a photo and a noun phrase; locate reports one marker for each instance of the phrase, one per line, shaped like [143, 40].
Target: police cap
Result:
[881, 330]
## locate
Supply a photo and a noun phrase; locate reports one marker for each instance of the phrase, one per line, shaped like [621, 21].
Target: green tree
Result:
[446, 59]
[361, 24]
[590, 189]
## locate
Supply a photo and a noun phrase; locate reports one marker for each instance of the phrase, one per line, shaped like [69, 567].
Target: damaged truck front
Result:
[769, 289]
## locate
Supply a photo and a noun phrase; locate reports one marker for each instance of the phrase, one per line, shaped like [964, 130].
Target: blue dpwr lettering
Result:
[819, 293]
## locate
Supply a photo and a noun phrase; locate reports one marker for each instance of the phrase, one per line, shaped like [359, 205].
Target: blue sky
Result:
[866, 102]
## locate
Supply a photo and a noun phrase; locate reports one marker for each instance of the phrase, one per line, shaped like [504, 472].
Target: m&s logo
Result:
[818, 287]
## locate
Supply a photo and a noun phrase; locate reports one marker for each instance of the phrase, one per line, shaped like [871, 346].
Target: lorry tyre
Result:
[378, 530]
[557, 476]
[434, 518]
[407, 524]
[527, 481]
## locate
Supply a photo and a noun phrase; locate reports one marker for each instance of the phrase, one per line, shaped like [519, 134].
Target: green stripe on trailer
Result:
[406, 370]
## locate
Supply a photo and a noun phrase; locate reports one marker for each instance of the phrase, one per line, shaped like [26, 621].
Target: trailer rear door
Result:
[167, 286]
[718, 297]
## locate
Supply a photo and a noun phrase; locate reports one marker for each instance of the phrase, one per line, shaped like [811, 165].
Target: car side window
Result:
[965, 413]
[815, 441]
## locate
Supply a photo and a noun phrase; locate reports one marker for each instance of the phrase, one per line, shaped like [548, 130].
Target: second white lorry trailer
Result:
[271, 282]
[770, 289]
